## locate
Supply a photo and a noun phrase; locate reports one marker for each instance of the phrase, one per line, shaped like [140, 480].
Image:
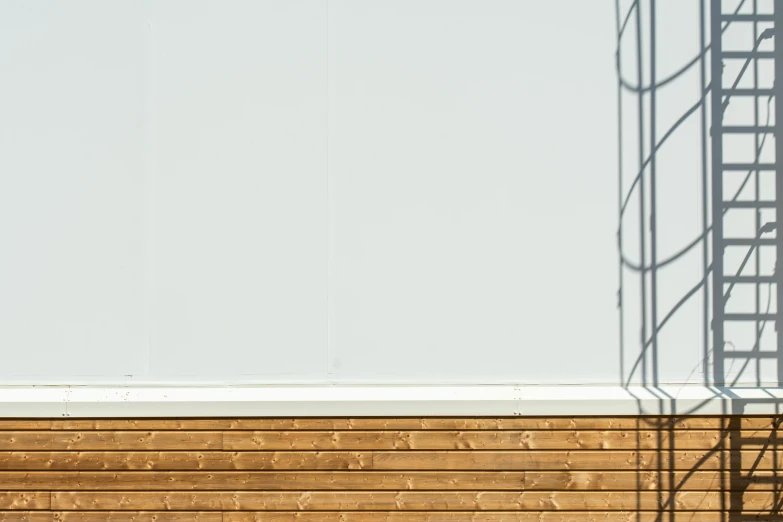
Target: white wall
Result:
[313, 191]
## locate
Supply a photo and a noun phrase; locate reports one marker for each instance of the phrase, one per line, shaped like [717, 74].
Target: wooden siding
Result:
[629, 469]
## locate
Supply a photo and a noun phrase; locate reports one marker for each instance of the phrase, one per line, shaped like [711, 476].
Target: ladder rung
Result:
[748, 129]
[771, 479]
[749, 241]
[749, 317]
[760, 440]
[751, 355]
[750, 279]
[749, 204]
[748, 92]
[748, 17]
[747, 54]
[749, 166]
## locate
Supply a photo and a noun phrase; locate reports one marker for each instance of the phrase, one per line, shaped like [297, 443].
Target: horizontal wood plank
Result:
[109, 440]
[757, 422]
[183, 460]
[125, 516]
[409, 500]
[26, 500]
[575, 460]
[390, 461]
[703, 460]
[27, 516]
[259, 480]
[469, 440]
[27, 424]
[378, 480]
[632, 481]
[380, 440]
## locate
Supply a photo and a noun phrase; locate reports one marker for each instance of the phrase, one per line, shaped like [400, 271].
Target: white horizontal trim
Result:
[302, 401]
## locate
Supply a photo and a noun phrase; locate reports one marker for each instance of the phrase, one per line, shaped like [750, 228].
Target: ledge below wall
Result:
[343, 401]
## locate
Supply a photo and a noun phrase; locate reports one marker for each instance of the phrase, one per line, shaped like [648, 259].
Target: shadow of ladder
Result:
[753, 458]
[758, 237]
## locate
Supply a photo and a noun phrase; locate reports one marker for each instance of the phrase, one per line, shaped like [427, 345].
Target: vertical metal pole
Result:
[620, 304]
[719, 377]
[779, 180]
[757, 196]
[642, 216]
[653, 207]
[705, 245]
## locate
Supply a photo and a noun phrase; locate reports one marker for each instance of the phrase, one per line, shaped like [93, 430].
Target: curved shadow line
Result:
[663, 322]
[671, 130]
[660, 143]
[678, 305]
[702, 460]
[674, 257]
[620, 32]
[635, 88]
[639, 268]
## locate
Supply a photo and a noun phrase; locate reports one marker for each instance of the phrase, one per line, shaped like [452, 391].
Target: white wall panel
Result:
[472, 192]
[163, 191]
[355, 191]
[237, 196]
[71, 235]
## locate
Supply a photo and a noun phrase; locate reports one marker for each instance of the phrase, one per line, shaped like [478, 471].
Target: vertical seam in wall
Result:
[222, 440]
[372, 460]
